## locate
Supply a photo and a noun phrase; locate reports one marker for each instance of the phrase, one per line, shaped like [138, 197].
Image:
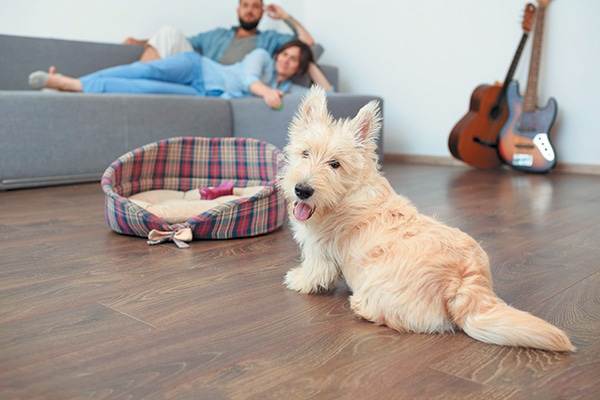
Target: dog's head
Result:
[327, 159]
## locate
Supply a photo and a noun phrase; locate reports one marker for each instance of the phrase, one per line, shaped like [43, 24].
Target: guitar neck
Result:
[530, 99]
[511, 71]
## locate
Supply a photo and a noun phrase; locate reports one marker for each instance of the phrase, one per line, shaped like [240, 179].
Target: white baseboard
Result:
[584, 169]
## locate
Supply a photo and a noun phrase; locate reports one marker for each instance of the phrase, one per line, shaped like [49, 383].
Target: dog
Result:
[405, 270]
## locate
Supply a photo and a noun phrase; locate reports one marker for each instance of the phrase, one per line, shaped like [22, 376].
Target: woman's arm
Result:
[272, 97]
[318, 77]
[253, 66]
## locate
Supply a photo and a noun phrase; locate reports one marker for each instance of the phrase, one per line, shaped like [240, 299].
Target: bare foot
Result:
[61, 82]
[52, 80]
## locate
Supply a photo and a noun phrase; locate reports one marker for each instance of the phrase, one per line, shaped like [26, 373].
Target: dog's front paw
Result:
[297, 279]
[294, 279]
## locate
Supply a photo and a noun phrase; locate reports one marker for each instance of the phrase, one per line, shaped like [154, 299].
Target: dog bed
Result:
[186, 164]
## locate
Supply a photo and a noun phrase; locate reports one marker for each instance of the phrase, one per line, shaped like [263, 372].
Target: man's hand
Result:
[276, 12]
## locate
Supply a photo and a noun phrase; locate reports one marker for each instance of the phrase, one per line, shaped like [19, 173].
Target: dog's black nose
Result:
[303, 191]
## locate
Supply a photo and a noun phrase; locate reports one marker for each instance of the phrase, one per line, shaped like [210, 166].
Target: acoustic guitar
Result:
[474, 138]
[524, 141]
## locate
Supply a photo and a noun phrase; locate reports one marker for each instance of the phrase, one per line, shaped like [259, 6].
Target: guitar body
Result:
[524, 142]
[474, 138]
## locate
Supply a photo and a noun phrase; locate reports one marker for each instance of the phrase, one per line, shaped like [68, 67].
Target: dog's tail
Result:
[485, 317]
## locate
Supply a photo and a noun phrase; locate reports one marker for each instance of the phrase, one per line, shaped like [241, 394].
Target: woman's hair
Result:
[306, 54]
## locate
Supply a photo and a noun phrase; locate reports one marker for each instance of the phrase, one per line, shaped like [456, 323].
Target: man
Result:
[226, 46]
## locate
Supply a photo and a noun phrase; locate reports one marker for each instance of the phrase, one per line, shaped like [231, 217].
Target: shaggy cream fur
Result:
[405, 270]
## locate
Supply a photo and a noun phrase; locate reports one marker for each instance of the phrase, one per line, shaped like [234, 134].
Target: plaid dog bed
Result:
[187, 163]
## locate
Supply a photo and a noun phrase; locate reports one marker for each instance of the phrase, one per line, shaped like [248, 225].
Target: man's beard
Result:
[248, 26]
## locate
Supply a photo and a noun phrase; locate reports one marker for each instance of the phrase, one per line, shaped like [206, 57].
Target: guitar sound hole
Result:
[495, 112]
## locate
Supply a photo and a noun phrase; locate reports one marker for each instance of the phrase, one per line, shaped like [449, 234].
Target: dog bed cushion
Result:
[175, 206]
[186, 164]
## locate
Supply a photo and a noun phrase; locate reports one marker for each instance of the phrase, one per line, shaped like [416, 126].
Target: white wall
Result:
[423, 57]
[111, 20]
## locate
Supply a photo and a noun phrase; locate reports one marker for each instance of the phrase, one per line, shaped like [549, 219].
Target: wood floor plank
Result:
[53, 335]
[319, 367]
[88, 313]
[527, 279]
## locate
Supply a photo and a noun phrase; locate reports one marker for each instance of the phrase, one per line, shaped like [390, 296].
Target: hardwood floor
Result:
[88, 313]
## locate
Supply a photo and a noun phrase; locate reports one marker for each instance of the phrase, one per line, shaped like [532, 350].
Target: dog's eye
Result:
[305, 154]
[334, 164]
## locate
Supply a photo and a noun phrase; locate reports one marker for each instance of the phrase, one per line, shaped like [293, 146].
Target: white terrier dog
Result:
[405, 270]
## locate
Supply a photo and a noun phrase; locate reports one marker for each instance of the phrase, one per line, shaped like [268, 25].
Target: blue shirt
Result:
[190, 74]
[213, 44]
[235, 80]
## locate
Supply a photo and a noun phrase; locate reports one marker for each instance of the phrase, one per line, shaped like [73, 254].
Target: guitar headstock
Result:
[528, 18]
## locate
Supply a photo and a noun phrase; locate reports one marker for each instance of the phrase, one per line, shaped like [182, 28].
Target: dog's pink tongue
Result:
[302, 211]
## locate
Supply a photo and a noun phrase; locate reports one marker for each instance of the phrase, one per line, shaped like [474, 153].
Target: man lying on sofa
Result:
[226, 46]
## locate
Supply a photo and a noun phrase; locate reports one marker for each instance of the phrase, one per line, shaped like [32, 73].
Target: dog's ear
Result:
[314, 106]
[367, 123]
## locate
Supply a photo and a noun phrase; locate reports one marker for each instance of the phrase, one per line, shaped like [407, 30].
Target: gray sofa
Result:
[51, 138]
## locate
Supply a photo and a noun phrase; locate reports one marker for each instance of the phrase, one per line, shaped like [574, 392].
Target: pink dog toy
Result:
[224, 189]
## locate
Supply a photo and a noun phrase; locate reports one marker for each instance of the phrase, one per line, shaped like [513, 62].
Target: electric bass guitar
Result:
[474, 138]
[524, 141]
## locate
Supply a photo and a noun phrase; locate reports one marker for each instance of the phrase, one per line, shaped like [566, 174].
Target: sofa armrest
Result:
[330, 71]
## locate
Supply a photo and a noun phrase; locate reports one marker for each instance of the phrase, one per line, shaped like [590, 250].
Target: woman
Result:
[192, 74]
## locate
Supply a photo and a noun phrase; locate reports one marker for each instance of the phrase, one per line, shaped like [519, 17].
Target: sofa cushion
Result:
[54, 138]
[176, 207]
